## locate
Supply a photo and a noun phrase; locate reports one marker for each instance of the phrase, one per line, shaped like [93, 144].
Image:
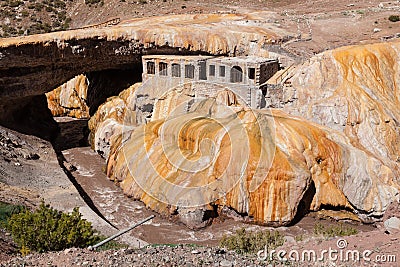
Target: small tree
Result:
[48, 229]
[394, 18]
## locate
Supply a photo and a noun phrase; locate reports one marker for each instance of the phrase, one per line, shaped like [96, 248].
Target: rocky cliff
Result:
[36, 64]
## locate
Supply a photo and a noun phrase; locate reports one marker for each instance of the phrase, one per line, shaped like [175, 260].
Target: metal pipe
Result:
[120, 233]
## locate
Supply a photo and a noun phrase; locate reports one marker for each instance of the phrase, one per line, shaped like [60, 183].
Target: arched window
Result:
[236, 74]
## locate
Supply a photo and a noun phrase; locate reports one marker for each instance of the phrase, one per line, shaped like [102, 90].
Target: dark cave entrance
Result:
[101, 85]
[304, 204]
[33, 116]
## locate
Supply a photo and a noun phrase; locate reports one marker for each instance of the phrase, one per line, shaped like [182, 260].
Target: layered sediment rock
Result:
[111, 118]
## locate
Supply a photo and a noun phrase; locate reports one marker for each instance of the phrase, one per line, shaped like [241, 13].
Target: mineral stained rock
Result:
[265, 164]
[355, 90]
[338, 148]
[111, 118]
[70, 98]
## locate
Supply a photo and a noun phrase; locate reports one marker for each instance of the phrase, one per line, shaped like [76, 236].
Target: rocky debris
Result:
[19, 196]
[8, 248]
[158, 255]
[379, 243]
[392, 211]
[392, 225]
[13, 148]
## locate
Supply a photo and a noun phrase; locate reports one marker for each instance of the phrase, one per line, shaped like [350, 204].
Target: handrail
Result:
[120, 233]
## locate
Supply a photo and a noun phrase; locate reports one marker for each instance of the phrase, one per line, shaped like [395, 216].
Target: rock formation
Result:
[36, 64]
[70, 98]
[355, 90]
[46, 61]
[264, 164]
[191, 158]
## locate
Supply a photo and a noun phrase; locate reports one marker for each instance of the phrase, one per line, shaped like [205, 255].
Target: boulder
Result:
[392, 225]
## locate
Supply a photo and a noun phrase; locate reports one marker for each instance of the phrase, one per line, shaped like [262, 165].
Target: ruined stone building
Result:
[246, 76]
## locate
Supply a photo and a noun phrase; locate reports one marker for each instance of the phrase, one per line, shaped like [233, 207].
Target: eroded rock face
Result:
[70, 98]
[111, 118]
[259, 163]
[355, 90]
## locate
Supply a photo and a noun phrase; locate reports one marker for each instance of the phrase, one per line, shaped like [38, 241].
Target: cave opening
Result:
[305, 203]
[74, 132]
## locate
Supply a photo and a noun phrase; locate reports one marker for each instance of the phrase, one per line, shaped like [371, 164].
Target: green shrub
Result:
[15, 3]
[62, 15]
[252, 242]
[49, 9]
[59, 4]
[394, 18]
[25, 13]
[47, 229]
[7, 210]
[88, 2]
[38, 6]
[334, 230]
[9, 30]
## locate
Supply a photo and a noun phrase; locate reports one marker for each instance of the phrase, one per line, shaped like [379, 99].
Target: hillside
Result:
[330, 23]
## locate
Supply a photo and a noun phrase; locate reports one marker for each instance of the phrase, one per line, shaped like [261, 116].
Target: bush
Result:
[47, 229]
[15, 3]
[7, 210]
[334, 230]
[38, 6]
[252, 242]
[394, 18]
[88, 2]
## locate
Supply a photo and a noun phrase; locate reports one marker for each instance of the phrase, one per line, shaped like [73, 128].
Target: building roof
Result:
[248, 59]
[226, 60]
[177, 57]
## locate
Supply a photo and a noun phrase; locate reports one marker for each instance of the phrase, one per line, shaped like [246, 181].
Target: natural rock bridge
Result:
[33, 65]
